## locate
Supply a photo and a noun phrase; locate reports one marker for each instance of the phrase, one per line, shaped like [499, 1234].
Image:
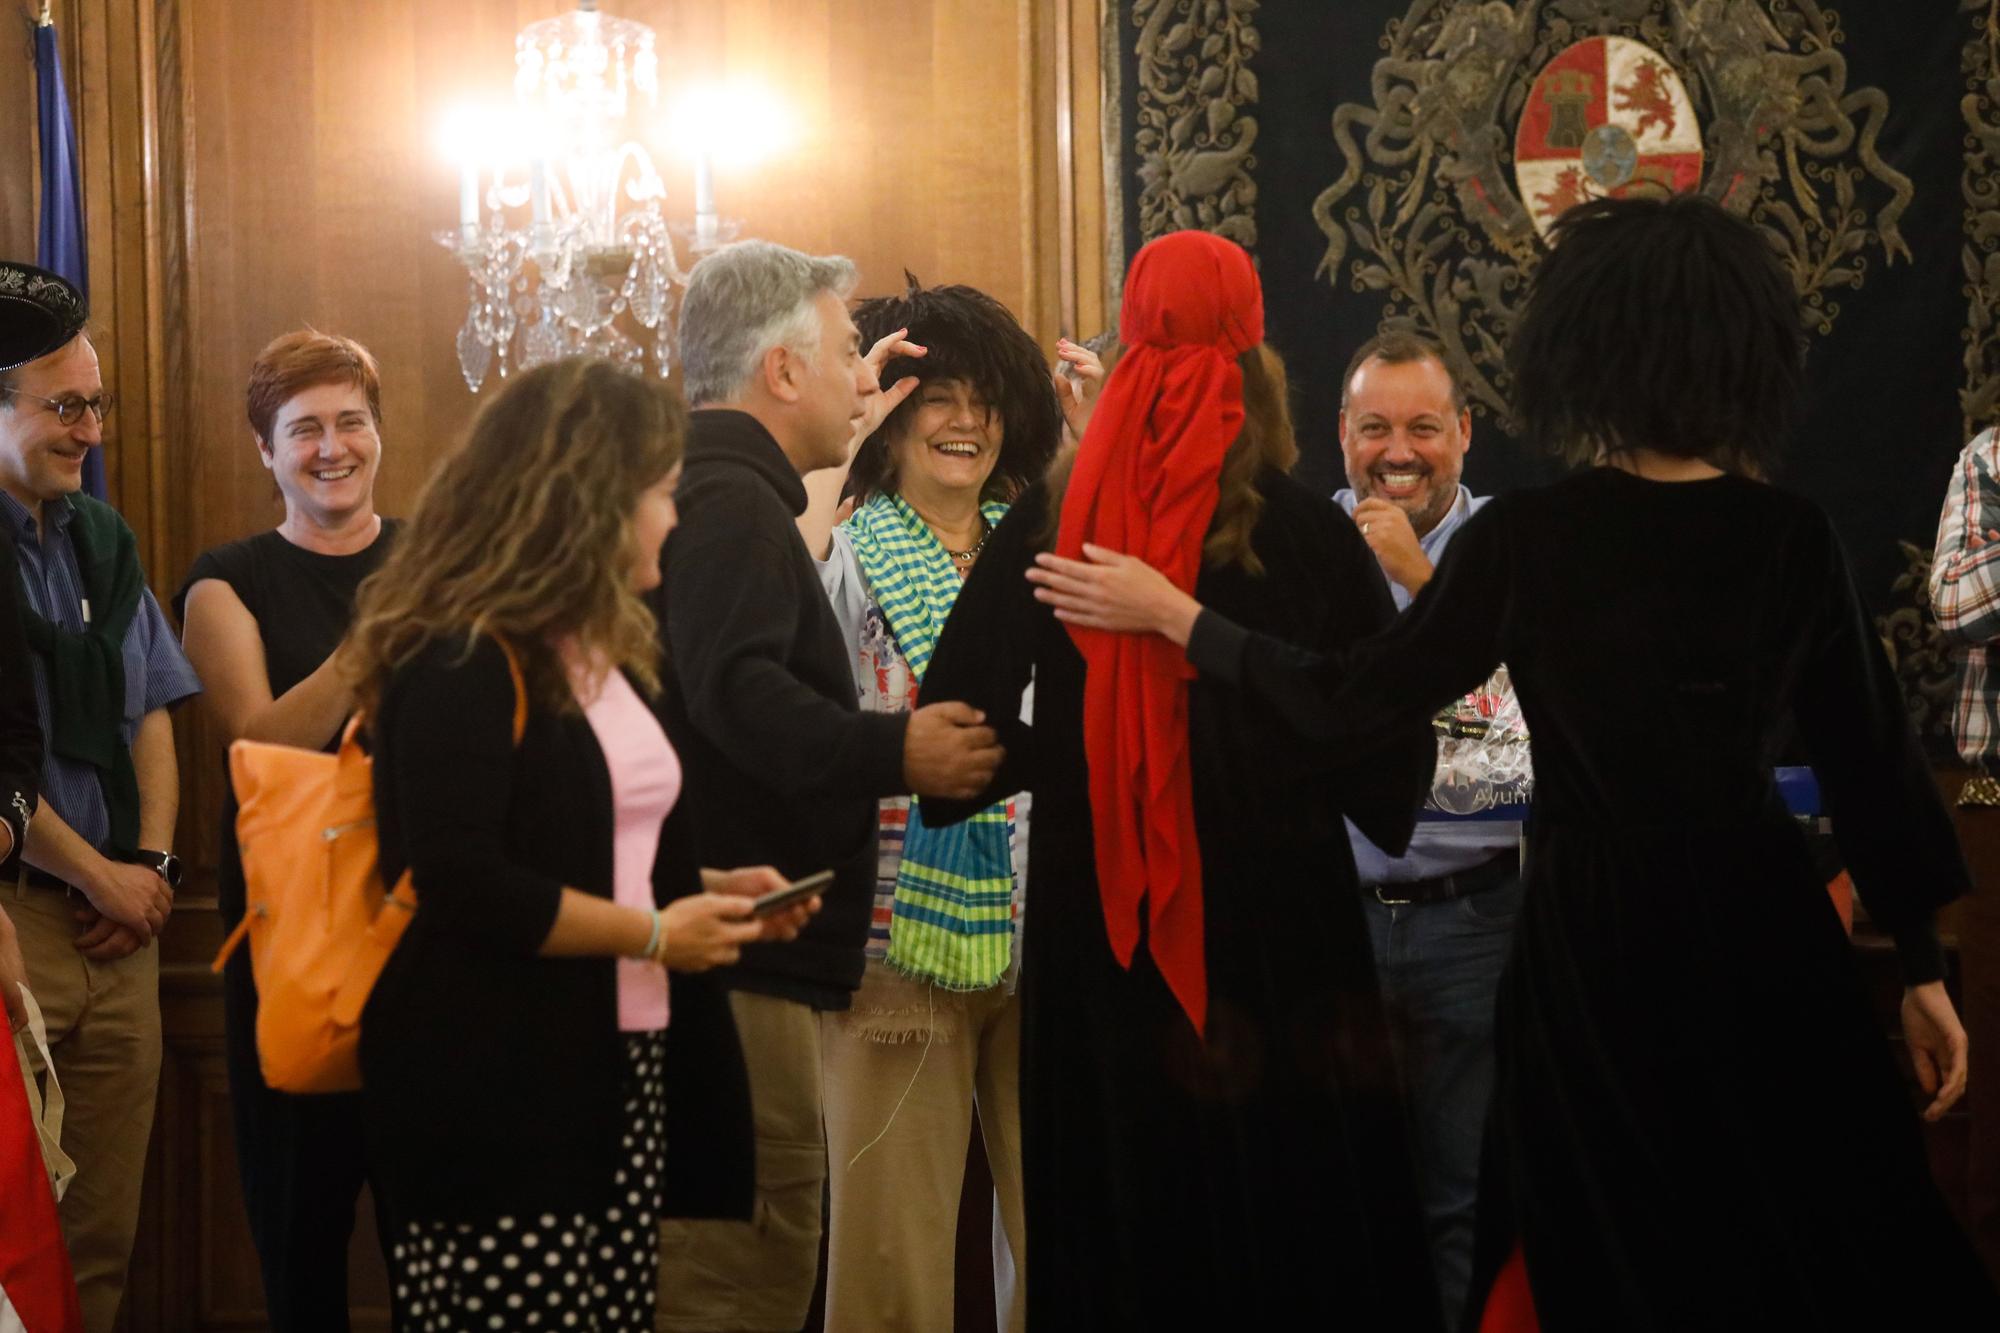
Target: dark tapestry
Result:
[1397, 162]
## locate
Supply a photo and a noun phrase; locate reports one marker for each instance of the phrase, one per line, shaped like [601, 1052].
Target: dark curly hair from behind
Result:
[970, 337]
[1663, 324]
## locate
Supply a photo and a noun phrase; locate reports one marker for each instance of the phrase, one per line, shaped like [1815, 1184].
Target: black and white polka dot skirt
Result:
[574, 1272]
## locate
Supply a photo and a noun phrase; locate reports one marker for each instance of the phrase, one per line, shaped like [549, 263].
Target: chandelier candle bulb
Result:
[538, 190]
[704, 202]
[574, 254]
[468, 198]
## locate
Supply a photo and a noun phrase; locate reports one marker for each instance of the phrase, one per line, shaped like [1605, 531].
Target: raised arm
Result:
[1445, 644]
[824, 509]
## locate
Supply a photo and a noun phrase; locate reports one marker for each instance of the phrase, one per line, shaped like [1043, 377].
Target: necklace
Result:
[971, 553]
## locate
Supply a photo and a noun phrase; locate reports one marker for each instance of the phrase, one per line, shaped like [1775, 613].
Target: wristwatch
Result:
[164, 864]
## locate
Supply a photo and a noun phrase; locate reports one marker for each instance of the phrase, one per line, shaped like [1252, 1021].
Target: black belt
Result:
[1459, 884]
[42, 879]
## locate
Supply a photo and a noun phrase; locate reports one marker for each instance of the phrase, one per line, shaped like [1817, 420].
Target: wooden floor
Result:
[194, 1269]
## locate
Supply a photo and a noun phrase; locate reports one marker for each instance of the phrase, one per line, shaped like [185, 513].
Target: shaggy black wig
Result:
[1664, 324]
[970, 337]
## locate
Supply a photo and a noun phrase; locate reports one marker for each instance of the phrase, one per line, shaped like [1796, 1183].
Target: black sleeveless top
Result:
[302, 602]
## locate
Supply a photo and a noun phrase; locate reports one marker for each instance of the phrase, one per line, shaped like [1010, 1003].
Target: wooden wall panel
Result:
[923, 140]
[17, 143]
[316, 180]
[254, 165]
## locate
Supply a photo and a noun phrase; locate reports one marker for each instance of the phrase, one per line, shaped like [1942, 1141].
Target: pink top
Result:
[645, 782]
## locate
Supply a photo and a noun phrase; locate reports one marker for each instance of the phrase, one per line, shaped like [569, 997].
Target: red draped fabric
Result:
[1510, 1306]
[37, 1290]
[1144, 483]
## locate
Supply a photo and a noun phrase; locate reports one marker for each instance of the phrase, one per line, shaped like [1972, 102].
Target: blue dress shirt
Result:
[157, 674]
[1439, 847]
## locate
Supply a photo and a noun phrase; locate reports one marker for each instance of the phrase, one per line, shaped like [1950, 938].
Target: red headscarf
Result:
[1145, 484]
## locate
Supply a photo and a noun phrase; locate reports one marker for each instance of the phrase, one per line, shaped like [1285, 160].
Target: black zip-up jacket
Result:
[20, 726]
[784, 768]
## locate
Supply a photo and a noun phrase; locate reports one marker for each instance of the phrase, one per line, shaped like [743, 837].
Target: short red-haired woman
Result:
[263, 620]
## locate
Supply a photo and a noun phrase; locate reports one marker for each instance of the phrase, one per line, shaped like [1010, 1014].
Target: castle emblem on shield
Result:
[1597, 98]
[1606, 117]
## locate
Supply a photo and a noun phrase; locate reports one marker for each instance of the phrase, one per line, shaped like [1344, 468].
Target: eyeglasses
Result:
[69, 409]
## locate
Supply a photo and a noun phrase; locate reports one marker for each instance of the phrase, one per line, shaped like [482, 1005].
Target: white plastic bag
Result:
[1483, 762]
[47, 1111]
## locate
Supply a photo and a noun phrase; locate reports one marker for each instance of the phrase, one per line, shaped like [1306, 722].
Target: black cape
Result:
[1259, 1179]
[1696, 1121]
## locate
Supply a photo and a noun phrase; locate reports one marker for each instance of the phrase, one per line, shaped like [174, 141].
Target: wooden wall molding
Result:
[251, 167]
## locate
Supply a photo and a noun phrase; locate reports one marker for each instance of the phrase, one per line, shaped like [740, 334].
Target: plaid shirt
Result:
[1965, 591]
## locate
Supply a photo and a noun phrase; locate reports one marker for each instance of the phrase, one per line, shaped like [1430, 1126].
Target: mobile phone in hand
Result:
[777, 900]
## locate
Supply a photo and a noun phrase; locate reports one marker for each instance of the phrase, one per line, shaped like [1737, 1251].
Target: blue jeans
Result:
[1439, 965]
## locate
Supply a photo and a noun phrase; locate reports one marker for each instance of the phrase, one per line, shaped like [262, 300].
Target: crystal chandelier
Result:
[590, 266]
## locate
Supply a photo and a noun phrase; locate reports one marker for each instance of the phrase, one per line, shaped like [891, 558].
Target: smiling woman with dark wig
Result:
[935, 1026]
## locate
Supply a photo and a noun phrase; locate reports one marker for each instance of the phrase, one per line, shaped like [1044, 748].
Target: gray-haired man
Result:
[783, 769]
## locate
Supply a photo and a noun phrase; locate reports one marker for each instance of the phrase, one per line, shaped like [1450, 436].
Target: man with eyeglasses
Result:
[98, 873]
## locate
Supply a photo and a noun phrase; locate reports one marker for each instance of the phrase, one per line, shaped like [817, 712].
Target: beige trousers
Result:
[758, 1276]
[904, 1070]
[104, 1039]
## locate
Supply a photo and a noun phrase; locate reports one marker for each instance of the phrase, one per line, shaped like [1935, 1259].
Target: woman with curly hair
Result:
[1210, 1123]
[935, 1026]
[1695, 1122]
[515, 1049]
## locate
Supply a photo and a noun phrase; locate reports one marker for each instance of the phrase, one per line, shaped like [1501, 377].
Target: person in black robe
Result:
[39, 312]
[1255, 1175]
[1697, 1123]
[20, 770]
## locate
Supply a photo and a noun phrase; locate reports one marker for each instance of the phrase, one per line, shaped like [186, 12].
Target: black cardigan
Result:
[492, 1076]
[20, 724]
[786, 770]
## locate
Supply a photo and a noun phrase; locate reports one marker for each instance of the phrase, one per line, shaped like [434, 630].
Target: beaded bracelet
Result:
[658, 950]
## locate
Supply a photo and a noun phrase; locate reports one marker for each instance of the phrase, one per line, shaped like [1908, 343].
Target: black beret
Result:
[39, 313]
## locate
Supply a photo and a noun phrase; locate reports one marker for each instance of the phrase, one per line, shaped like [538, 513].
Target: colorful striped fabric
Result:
[953, 922]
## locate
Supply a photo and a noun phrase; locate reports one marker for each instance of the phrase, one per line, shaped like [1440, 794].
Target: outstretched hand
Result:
[755, 881]
[876, 407]
[1109, 591]
[1078, 377]
[949, 751]
[1937, 1043]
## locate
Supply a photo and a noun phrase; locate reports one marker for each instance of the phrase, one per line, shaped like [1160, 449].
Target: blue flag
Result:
[59, 244]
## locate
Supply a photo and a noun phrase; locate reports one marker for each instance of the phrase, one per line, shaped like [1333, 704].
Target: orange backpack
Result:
[319, 925]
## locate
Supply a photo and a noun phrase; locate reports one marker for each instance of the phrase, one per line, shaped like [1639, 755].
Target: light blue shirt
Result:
[1439, 847]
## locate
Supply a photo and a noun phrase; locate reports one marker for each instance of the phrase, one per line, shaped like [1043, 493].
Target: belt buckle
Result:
[1386, 901]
